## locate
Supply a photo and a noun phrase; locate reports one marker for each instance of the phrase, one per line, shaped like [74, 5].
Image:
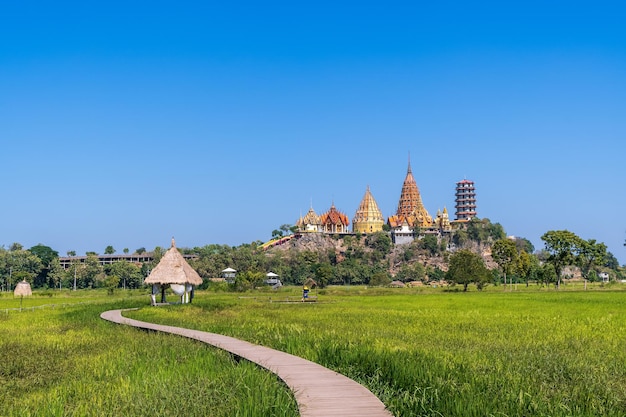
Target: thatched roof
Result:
[173, 269]
[22, 289]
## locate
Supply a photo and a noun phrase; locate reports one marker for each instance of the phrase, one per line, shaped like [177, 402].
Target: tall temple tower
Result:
[465, 200]
[368, 217]
[410, 206]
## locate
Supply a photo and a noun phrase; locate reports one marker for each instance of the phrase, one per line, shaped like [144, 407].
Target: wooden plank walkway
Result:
[319, 391]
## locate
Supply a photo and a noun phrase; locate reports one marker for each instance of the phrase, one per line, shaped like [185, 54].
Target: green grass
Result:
[426, 353]
[69, 362]
[423, 351]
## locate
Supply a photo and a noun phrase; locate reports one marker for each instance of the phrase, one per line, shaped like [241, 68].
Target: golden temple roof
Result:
[368, 217]
[310, 218]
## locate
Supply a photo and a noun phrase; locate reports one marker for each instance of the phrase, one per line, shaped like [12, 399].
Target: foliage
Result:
[483, 231]
[466, 268]
[17, 264]
[414, 272]
[590, 255]
[504, 253]
[380, 243]
[380, 278]
[430, 244]
[561, 245]
[129, 274]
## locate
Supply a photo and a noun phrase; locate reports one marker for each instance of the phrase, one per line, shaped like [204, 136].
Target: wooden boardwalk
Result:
[319, 391]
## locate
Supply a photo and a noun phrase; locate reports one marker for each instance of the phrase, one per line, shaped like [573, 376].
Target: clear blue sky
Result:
[127, 123]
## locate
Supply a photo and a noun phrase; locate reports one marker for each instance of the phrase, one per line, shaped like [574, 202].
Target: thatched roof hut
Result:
[174, 271]
[22, 289]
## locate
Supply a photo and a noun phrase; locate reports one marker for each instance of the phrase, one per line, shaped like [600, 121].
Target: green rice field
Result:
[423, 352]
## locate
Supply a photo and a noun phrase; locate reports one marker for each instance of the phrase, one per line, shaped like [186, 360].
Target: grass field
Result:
[424, 352]
[63, 360]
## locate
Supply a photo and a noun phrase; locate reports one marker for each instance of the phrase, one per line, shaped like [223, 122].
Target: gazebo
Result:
[229, 275]
[173, 271]
[272, 279]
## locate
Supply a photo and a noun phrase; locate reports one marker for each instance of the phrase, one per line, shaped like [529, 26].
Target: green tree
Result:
[56, 274]
[590, 255]
[16, 247]
[323, 274]
[465, 268]
[523, 266]
[460, 237]
[562, 245]
[16, 261]
[523, 244]
[430, 244]
[380, 243]
[111, 282]
[125, 251]
[547, 274]
[380, 278]
[109, 250]
[46, 255]
[90, 272]
[414, 272]
[286, 229]
[504, 253]
[129, 274]
[140, 251]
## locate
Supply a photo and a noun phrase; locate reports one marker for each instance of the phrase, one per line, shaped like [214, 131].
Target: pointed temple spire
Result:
[368, 217]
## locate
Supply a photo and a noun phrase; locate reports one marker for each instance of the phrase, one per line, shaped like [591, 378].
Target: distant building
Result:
[67, 261]
[465, 201]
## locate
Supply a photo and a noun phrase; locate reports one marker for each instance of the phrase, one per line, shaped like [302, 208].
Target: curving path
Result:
[319, 391]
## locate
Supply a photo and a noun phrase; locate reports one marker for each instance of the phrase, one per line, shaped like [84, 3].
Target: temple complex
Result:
[368, 217]
[410, 220]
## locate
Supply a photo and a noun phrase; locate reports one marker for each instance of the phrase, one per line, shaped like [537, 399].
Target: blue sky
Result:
[127, 123]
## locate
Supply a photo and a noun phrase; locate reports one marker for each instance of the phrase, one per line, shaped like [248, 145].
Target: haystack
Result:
[174, 272]
[22, 289]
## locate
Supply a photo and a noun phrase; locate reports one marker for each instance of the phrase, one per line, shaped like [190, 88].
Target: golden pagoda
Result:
[410, 207]
[334, 221]
[368, 217]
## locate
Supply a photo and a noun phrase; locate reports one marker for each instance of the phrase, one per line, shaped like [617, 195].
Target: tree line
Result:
[370, 259]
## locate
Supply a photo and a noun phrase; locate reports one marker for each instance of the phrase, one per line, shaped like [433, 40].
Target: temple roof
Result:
[410, 203]
[310, 218]
[333, 216]
[368, 210]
